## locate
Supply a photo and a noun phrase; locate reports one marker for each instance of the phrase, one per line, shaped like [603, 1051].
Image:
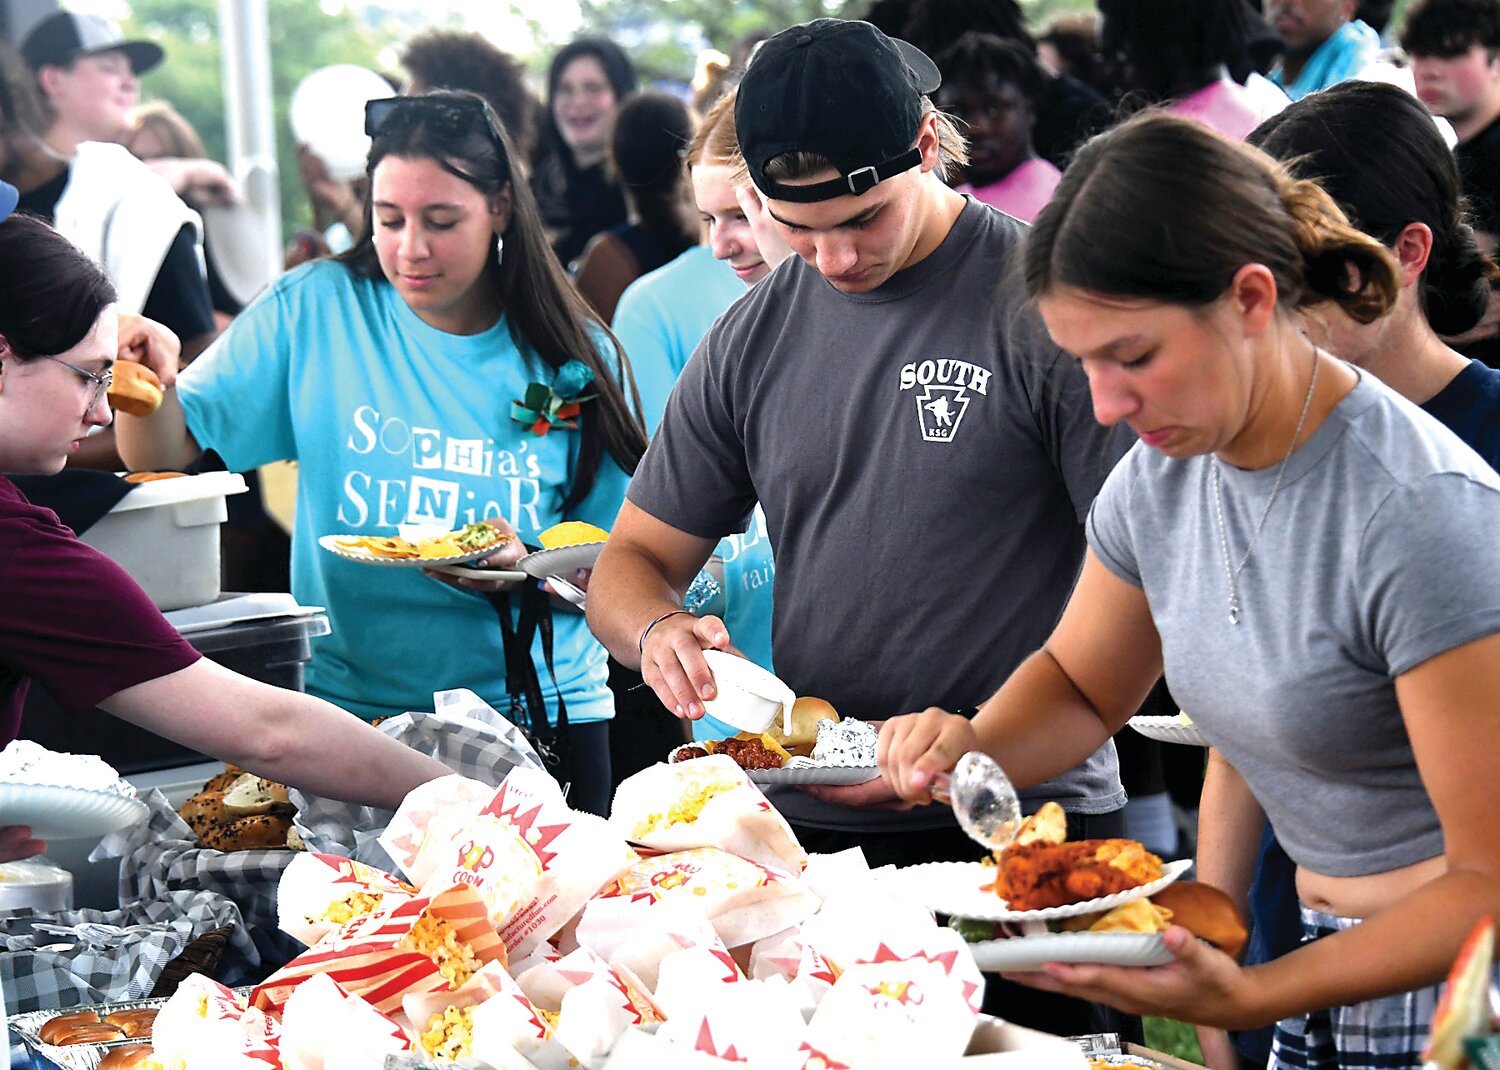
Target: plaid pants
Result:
[1383, 1034]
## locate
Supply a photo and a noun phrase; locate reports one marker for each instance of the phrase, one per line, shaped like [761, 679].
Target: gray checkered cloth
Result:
[464, 734]
[95, 956]
[162, 857]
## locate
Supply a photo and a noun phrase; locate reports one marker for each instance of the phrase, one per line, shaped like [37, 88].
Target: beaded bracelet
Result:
[641, 646]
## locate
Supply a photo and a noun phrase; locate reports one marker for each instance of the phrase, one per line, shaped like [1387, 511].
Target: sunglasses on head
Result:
[449, 116]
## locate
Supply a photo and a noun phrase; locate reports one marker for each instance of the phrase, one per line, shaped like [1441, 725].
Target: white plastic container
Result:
[36, 884]
[166, 535]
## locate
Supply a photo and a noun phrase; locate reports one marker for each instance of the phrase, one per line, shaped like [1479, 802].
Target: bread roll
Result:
[97, 1033]
[1207, 913]
[221, 781]
[253, 833]
[250, 794]
[133, 1023]
[806, 713]
[152, 477]
[204, 812]
[135, 390]
[53, 1028]
[129, 1057]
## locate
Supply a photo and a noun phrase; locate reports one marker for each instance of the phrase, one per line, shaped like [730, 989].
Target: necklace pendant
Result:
[1234, 614]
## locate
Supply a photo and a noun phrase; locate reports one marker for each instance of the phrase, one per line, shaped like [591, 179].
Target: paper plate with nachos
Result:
[419, 548]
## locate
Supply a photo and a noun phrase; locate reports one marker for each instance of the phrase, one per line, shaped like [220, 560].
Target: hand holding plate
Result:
[1201, 985]
[16, 843]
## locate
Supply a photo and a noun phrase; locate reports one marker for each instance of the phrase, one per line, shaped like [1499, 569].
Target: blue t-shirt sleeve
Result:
[1427, 577]
[236, 395]
[1108, 525]
[645, 336]
[695, 475]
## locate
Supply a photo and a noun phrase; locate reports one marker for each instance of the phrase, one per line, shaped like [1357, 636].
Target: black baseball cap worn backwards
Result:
[842, 90]
[63, 36]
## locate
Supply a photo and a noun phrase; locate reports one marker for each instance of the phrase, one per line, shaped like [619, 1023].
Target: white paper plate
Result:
[560, 561]
[955, 889]
[1168, 730]
[64, 813]
[364, 557]
[1105, 949]
[826, 774]
[467, 572]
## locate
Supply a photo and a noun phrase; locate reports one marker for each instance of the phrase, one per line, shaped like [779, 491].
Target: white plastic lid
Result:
[33, 873]
[182, 489]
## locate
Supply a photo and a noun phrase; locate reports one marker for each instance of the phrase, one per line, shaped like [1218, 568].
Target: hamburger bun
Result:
[129, 1057]
[135, 389]
[133, 1023]
[204, 812]
[806, 713]
[254, 833]
[1207, 913]
[63, 1024]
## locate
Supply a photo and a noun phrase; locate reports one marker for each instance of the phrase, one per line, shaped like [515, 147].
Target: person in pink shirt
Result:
[993, 86]
[1191, 56]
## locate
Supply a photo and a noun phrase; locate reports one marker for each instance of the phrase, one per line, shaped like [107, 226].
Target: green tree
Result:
[302, 38]
[663, 36]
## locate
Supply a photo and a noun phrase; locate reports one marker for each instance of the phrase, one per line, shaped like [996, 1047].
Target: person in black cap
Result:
[924, 458]
[87, 72]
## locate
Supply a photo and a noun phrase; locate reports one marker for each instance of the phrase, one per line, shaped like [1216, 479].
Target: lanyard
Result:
[528, 710]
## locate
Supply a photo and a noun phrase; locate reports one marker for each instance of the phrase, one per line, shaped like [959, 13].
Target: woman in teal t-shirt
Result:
[397, 376]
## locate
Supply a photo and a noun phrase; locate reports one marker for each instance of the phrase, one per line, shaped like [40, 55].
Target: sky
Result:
[503, 23]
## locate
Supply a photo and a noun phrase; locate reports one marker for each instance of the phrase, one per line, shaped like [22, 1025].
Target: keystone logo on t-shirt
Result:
[944, 389]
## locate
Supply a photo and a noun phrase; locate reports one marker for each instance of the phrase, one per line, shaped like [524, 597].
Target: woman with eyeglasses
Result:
[70, 618]
[417, 379]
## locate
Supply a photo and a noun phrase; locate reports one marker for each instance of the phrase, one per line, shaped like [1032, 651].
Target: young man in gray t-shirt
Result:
[924, 458]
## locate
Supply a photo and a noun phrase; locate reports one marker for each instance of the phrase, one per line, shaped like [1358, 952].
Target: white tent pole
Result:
[250, 117]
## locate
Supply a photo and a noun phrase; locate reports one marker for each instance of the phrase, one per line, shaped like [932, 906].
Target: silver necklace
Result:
[1232, 573]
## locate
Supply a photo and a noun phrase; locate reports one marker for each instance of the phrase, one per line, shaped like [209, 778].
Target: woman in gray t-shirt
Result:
[1307, 556]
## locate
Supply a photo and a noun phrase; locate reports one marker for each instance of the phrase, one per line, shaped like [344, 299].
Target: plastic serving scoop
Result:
[748, 697]
[983, 799]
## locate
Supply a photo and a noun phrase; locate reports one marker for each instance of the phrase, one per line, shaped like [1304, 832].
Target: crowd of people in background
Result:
[727, 323]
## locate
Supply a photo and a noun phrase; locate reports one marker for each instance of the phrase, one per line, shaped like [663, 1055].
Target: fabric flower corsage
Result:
[546, 407]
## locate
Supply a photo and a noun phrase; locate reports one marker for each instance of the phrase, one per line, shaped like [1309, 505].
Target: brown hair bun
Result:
[133, 1023]
[129, 1057]
[53, 1028]
[1207, 913]
[135, 390]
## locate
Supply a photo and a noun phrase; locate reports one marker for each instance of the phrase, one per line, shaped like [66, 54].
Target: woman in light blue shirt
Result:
[411, 379]
[663, 316]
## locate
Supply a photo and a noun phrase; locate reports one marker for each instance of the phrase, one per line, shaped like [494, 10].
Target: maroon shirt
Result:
[71, 618]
